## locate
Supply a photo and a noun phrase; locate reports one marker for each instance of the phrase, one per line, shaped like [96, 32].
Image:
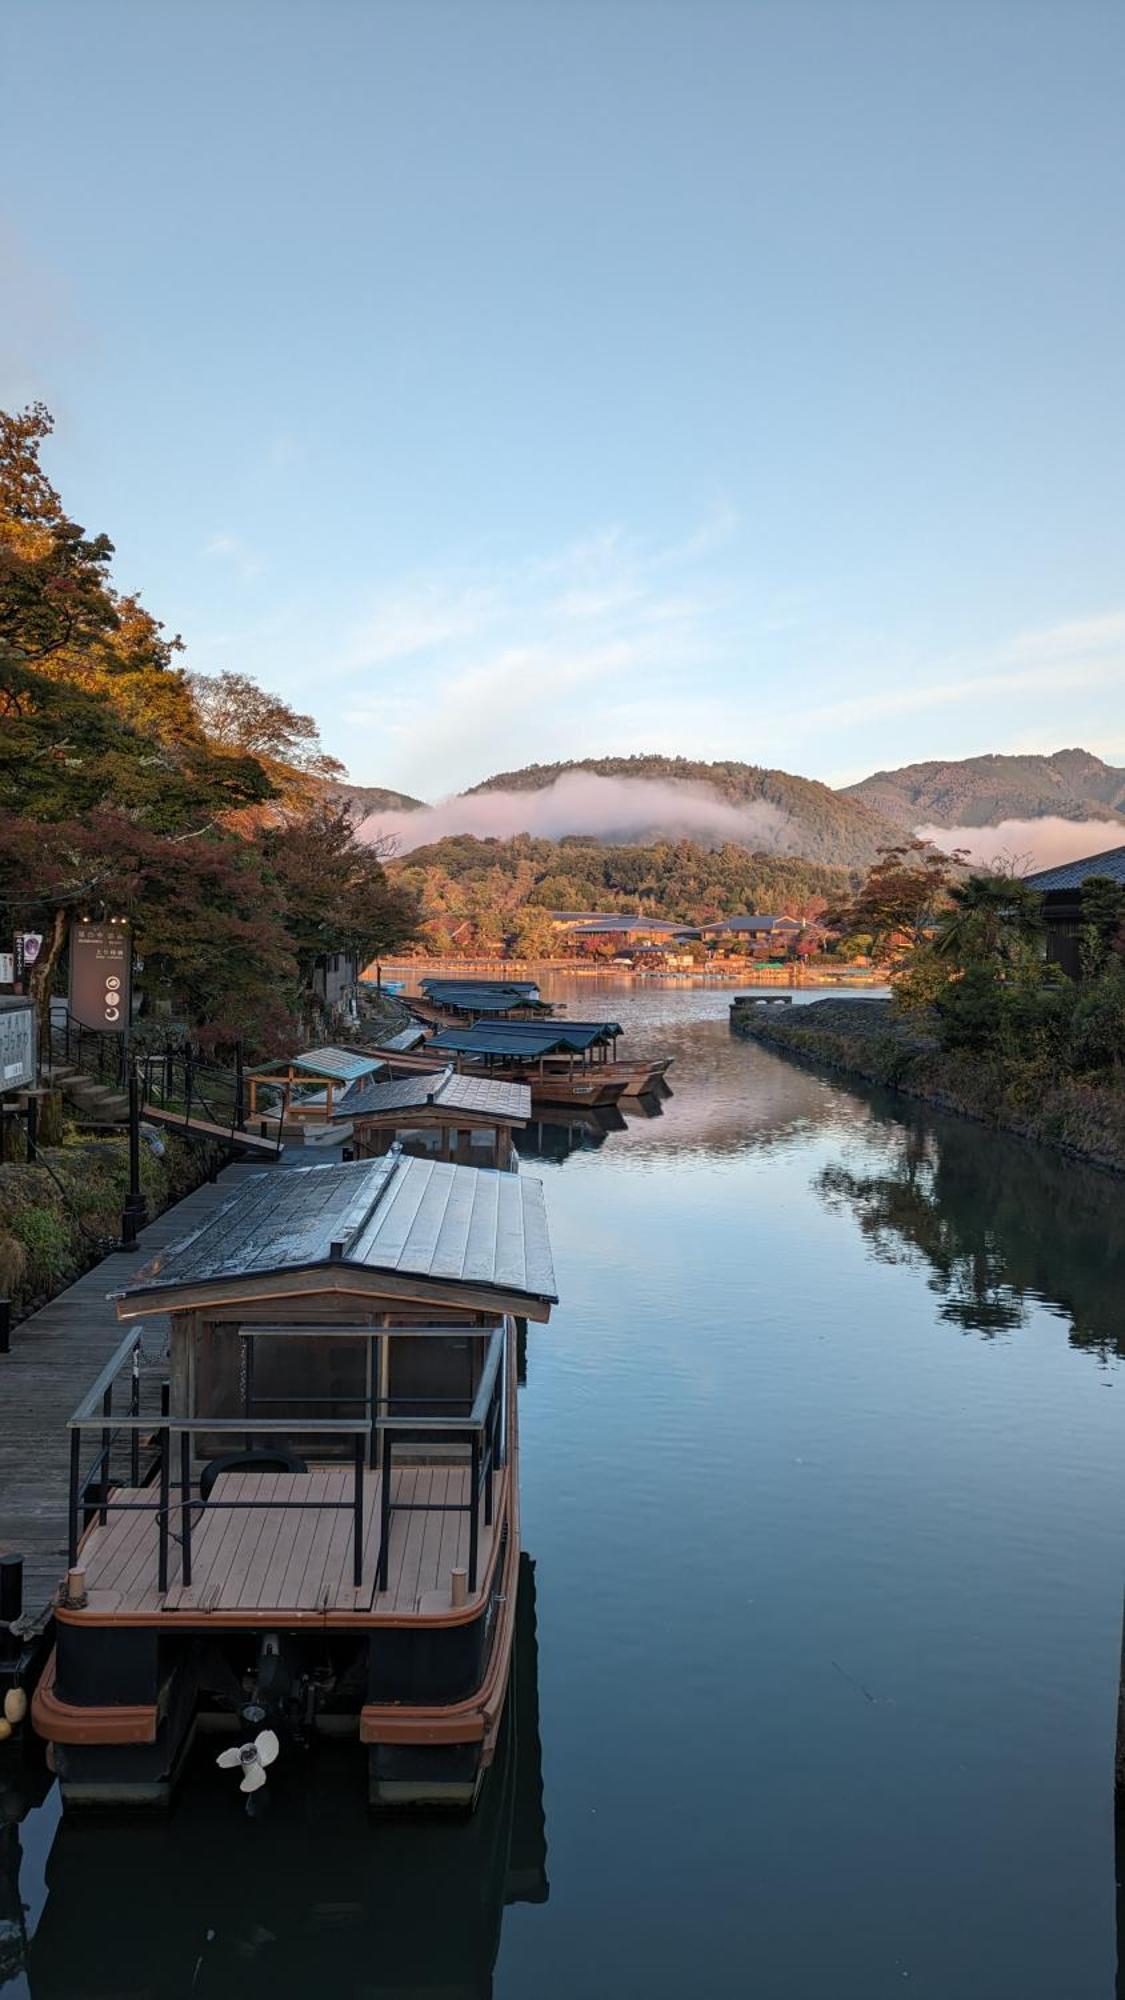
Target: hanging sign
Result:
[29, 944]
[7, 968]
[101, 975]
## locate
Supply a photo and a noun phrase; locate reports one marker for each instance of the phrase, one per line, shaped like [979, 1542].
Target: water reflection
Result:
[1000, 1226]
[312, 1895]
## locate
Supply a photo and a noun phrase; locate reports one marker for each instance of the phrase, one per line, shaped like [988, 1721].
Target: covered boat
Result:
[471, 1119]
[314, 1528]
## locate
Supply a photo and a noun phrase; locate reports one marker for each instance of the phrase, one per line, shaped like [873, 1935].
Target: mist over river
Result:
[823, 1472]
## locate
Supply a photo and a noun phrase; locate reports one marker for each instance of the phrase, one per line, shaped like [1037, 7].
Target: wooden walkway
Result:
[56, 1355]
[256, 1558]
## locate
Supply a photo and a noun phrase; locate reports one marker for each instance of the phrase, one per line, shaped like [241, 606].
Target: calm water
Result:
[822, 1480]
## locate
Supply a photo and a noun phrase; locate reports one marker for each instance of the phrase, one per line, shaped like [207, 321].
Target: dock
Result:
[56, 1354]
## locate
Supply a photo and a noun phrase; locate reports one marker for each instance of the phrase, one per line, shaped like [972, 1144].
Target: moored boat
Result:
[316, 1531]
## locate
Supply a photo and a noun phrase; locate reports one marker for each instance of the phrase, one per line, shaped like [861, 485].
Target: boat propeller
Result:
[251, 1759]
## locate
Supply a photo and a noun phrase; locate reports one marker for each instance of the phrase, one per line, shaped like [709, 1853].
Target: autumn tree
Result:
[336, 893]
[898, 902]
[240, 718]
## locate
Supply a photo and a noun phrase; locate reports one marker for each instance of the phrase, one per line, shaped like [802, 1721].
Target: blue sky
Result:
[517, 381]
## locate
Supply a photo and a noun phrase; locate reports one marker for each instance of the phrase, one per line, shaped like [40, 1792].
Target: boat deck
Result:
[258, 1559]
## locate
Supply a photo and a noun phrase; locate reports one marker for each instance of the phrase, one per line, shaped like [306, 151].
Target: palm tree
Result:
[993, 917]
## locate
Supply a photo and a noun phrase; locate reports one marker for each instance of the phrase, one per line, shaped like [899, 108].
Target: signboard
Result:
[17, 1044]
[29, 944]
[7, 968]
[101, 971]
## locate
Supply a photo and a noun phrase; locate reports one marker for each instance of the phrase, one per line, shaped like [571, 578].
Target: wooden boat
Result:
[317, 1529]
[586, 1087]
[445, 1000]
[436, 1115]
[550, 1052]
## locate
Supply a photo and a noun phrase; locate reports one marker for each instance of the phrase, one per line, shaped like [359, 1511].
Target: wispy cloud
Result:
[509, 664]
[229, 549]
[1086, 653]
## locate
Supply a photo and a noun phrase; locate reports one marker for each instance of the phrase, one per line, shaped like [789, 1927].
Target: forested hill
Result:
[982, 791]
[495, 883]
[364, 799]
[824, 825]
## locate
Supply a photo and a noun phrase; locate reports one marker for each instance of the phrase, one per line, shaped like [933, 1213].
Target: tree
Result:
[994, 920]
[1103, 921]
[237, 716]
[898, 902]
[335, 890]
[54, 589]
[534, 935]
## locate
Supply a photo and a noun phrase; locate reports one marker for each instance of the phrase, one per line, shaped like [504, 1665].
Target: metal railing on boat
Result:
[481, 1425]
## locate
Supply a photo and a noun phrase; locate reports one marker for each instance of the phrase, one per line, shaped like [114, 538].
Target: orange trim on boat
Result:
[62, 1722]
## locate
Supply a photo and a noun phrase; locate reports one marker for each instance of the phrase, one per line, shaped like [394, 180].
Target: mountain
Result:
[375, 798]
[982, 791]
[823, 825]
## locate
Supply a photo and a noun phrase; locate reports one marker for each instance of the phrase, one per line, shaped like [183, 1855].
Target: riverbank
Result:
[57, 1217]
[865, 1038]
[738, 971]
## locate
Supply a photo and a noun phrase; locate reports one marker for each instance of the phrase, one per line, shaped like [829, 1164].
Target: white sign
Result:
[17, 1044]
[7, 968]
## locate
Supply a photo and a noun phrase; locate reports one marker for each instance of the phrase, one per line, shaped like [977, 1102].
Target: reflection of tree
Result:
[1000, 1225]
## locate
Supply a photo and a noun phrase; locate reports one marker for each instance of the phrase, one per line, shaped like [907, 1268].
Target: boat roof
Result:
[493, 1002]
[605, 1030]
[502, 1038]
[337, 1065]
[443, 1225]
[406, 1039]
[478, 1096]
[527, 986]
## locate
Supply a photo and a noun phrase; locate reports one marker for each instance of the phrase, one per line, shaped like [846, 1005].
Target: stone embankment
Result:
[865, 1038]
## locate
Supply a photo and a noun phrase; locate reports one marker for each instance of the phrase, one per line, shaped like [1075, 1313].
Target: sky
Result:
[514, 382]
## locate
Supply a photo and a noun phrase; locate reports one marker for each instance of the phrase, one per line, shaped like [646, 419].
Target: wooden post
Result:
[458, 1588]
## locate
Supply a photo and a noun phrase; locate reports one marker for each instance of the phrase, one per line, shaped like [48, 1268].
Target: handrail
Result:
[482, 1426]
[109, 1373]
[320, 1425]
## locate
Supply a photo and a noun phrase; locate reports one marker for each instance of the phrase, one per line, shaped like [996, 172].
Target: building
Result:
[1061, 890]
[768, 936]
[629, 929]
[335, 982]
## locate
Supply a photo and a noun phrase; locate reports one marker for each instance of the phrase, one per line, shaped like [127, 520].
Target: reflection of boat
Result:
[648, 1106]
[308, 1894]
[562, 1132]
[24, 1784]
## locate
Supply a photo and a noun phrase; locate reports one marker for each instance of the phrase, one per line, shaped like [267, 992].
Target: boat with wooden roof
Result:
[316, 1528]
[438, 1115]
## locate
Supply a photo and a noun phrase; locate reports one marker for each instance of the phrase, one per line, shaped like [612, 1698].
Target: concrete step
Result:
[108, 1108]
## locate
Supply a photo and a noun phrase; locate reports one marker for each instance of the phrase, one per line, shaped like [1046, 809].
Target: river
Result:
[823, 1486]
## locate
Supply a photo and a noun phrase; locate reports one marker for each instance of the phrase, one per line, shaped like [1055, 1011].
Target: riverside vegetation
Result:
[980, 1022]
[201, 808]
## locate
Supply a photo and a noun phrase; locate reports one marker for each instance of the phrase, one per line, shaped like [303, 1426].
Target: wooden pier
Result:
[56, 1354]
